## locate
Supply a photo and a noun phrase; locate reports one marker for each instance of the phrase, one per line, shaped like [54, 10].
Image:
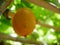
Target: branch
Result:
[4, 5]
[23, 40]
[49, 26]
[45, 4]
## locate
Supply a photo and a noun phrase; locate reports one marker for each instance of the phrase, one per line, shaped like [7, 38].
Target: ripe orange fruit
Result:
[23, 22]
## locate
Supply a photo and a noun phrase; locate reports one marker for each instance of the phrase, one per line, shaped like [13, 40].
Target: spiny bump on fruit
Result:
[23, 22]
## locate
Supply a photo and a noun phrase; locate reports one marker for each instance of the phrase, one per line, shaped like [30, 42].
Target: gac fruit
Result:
[23, 22]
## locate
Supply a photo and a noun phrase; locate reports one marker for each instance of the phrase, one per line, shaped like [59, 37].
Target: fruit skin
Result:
[23, 22]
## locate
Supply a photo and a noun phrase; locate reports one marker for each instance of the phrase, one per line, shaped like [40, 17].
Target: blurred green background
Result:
[40, 33]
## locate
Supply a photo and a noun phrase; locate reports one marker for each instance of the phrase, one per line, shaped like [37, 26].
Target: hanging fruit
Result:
[23, 22]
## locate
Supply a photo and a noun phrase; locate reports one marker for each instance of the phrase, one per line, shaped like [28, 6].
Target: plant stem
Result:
[45, 4]
[48, 26]
[23, 40]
